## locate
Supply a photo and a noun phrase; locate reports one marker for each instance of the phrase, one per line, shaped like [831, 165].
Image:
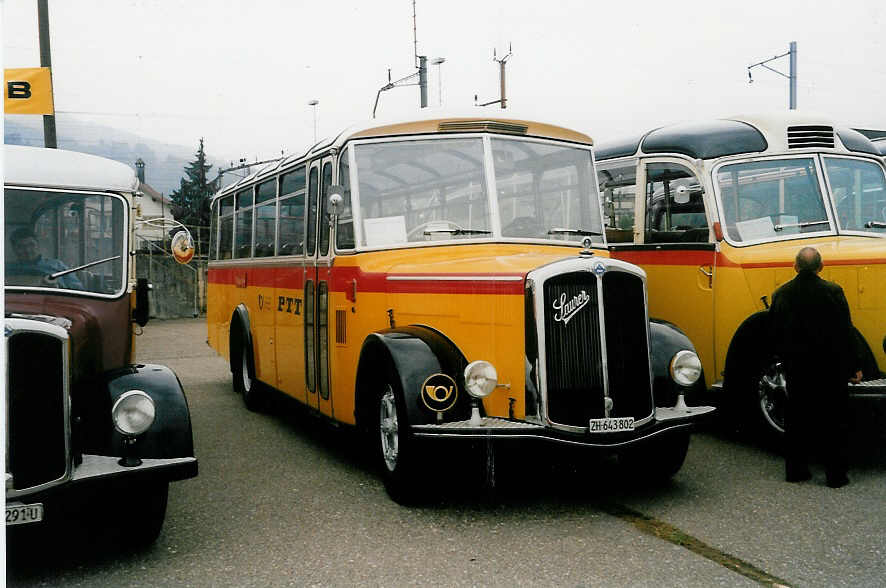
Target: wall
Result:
[178, 290]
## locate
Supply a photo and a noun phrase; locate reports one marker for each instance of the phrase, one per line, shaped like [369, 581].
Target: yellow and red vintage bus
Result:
[446, 278]
[716, 211]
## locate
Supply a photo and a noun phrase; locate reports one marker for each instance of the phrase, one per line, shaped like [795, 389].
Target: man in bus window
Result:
[30, 262]
[813, 335]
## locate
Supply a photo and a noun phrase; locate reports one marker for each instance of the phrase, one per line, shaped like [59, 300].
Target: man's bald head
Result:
[808, 260]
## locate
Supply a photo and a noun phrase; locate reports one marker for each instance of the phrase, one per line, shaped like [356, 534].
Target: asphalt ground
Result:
[284, 499]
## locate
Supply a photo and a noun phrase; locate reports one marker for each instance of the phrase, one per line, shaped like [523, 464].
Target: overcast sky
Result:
[241, 73]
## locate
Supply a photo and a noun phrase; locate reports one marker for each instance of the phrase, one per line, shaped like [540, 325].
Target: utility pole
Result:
[423, 80]
[791, 76]
[421, 64]
[503, 100]
[49, 139]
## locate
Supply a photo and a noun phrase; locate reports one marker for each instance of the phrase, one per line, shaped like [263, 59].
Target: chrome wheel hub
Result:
[772, 390]
[389, 429]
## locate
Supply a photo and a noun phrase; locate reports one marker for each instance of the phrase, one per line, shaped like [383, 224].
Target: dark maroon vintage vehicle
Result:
[89, 432]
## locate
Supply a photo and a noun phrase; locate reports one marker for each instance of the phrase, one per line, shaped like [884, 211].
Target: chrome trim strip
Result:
[455, 278]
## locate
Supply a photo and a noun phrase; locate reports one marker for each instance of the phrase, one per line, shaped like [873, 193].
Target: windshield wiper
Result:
[806, 224]
[78, 268]
[458, 231]
[875, 225]
[582, 232]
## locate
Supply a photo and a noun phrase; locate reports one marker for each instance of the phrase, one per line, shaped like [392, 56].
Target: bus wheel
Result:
[394, 446]
[656, 461]
[134, 515]
[770, 398]
[245, 383]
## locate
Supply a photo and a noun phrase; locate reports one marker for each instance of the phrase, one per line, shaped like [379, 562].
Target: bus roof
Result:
[58, 168]
[425, 122]
[779, 132]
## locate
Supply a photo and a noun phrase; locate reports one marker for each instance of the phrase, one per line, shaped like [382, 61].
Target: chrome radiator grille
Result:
[37, 409]
[593, 343]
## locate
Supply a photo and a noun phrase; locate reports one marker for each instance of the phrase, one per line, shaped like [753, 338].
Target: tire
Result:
[244, 380]
[657, 460]
[137, 514]
[394, 443]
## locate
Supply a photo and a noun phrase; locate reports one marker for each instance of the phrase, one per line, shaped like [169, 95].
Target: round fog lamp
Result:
[685, 367]
[480, 378]
[133, 413]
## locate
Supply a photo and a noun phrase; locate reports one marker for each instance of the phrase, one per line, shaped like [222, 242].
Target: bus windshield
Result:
[859, 192]
[771, 199]
[437, 189]
[64, 240]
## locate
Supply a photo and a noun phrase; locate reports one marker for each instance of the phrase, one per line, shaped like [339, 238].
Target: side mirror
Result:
[336, 197]
[141, 313]
[683, 193]
[335, 201]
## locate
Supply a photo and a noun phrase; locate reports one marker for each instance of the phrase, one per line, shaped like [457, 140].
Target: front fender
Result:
[666, 339]
[414, 352]
[169, 436]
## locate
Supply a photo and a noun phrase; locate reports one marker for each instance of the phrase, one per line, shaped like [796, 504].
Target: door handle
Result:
[709, 272]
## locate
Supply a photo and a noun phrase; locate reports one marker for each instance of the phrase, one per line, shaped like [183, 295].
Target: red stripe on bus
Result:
[695, 258]
[342, 280]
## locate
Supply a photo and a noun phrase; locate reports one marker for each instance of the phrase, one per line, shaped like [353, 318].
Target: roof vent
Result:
[803, 137]
[483, 125]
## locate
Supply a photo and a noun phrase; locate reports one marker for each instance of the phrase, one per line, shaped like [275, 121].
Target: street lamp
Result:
[314, 103]
[438, 61]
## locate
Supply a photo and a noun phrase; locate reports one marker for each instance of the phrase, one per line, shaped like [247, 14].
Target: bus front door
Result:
[672, 242]
[317, 275]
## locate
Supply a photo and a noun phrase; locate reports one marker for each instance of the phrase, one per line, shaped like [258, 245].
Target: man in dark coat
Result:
[813, 335]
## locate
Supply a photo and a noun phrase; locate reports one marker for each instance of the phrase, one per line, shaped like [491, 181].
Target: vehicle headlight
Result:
[133, 413]
[685, 367]
[480, 378]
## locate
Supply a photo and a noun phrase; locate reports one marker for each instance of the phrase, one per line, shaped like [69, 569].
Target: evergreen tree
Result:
[191, 200]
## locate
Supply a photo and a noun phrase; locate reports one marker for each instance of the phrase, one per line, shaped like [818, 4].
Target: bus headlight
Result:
[480, 378]
[685, 367]
[133, 413]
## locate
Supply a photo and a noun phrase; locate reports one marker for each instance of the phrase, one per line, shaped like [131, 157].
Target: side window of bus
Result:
[243, 222]
[674, 205]
[213, 231]
[324, 208]
[344, 233]
[291, 236]
[311, 204]
[265, 217]
[226, 227]
[618, 190]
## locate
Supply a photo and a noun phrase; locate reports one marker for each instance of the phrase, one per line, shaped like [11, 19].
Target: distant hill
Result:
[164, 162]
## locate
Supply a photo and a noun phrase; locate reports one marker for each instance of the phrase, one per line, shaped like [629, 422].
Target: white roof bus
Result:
[715, 212]
[443, 279]
[89, 430]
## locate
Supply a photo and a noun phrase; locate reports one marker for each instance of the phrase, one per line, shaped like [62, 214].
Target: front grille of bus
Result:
[800, 137]
[37, 409]
[574, 349]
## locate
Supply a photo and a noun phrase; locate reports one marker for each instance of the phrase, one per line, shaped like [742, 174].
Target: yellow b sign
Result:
[28, 91]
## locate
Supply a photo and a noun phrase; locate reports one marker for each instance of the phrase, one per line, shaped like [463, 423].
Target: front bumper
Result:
[666, 420]
[872, 389]
[102, 469]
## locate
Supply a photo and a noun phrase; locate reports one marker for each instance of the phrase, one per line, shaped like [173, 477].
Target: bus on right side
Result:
[715, 212]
